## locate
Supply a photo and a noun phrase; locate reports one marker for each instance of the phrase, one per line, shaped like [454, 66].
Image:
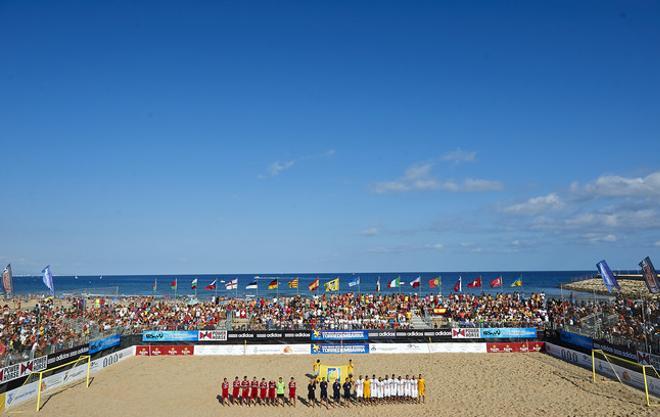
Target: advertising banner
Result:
[467, 333]
[22, 369]
[276, 349]
[21, 394]
[457, 347]
[514, 347]
[212, 335]
[336, 335]
[230, 350]
[398, 348]
[269, 335]
[575, 339]
[648, 359]
[165, 350]
[650, 276]
[508, 333]
[103, 344]
[68, 354]
[622, 351]
[170, 336]
[322, 349]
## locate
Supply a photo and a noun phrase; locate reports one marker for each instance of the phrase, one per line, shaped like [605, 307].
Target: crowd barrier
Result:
[603, 367]
[28, 392]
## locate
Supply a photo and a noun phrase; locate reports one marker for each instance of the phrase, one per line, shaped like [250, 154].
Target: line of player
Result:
[248, 393]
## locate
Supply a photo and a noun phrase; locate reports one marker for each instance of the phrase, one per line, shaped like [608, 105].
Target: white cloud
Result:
[536, 205]
[370, 231]
[657, 243]
[277, 167]
[419, 177]
[599, 238]
[459, 156]
[617, 186]
[381, 250]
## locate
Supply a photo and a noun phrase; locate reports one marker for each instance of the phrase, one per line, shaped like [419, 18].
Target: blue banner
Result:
[103, 344]
[608, 277]
[336, 335]
[508, 333]
[319, 349]
[170, 336]
[575, 339]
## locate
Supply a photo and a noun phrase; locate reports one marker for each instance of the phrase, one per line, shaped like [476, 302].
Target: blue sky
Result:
[238, 136]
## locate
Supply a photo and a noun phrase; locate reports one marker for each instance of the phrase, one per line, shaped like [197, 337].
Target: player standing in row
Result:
[292, 391]
[245, 390]
[254, 391]
[359, 388]
[224, 396]
[236, 387]
[263, 392]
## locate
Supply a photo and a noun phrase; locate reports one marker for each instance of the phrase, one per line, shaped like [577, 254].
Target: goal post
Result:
[617, 366]
[49, 378]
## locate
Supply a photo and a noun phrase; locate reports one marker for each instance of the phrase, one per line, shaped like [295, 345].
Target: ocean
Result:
[120, 285]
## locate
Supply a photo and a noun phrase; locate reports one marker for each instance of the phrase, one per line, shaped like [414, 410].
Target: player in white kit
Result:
[407, 388]
[381, 389]
[374, 389]
[414, 389]
[359, 388]
[399, 389]
[386, 389]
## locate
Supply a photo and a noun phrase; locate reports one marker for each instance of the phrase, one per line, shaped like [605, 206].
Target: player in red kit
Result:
[254, 390]
[225, 391]
[271, 391]
[263, 394]
[245, 390]
[235, 390]
[292, 391]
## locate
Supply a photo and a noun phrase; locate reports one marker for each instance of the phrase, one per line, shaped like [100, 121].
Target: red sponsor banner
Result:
[514, 347]
[164, 350]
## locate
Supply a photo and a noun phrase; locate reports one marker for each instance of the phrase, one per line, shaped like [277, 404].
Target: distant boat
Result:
[101, 277]
[76, 277]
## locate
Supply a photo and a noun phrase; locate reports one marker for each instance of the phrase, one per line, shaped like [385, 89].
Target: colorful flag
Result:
[8, 280]
[193, 284]
[434, 283]
[252, 286]
[497, 282]
[232, 284]
[476, 283]
[458, 287]
[293, 283]
[517, 283]
[378, 284]
[314, 285]
[332, 285]
[48, 279]
[274, 284]
[395, 283]
[354, 282]
[416, 282]
[211, 286]
[650, 276]
[173, 284]
[608, 277]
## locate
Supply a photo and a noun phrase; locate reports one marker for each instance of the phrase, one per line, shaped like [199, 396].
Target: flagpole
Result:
[176, 287]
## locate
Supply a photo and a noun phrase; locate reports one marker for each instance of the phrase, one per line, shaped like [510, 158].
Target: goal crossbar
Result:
[646, 370]
[81, 359]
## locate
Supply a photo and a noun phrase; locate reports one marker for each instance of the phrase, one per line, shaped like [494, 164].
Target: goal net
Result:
[53, 379]
[627, 372]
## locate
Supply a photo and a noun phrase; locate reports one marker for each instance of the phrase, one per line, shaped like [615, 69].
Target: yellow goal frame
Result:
[628, 361]
[82, 358]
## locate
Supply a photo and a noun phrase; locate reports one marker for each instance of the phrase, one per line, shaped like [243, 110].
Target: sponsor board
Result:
[170, 336]
[21, 394]
[63, 355]
[212, 335]
[98, 345]
[648, 359]
[575, 339]
[111, 359]
[336, 335]
[398, 348]
[467, 333]
[514, 347]
[508, 333]
[22, 369]
[324, 349]
[615, 350]
[212, 350]
[59, 379]
[164, 350]
[276, 350]
[457, 347]
[284, 334]
[629, 377]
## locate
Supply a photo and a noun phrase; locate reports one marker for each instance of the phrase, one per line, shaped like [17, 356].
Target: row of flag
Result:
[494, 283]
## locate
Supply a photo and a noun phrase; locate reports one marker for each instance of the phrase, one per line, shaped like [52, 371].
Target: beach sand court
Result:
[466, 384]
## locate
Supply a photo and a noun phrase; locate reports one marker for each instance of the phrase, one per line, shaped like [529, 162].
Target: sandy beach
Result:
[458, 384]
[629, 288]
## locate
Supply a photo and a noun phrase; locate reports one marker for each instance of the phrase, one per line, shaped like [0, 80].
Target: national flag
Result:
[155, 286]
[434, 283]
[416, 282]
[517, 283]
[354, 282]
[252, 286]
[193, 284]
[395, 283]
[294, 283]
[458, 287]
[476, 283]
[332, 285]
[232, 284]
[8, 280]
[496, 282]
[211, 286]
[608, 277]
[173, 284]
[378, 285]
[314, 285]
[274, 284]
[650, 276]
[48, 279]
